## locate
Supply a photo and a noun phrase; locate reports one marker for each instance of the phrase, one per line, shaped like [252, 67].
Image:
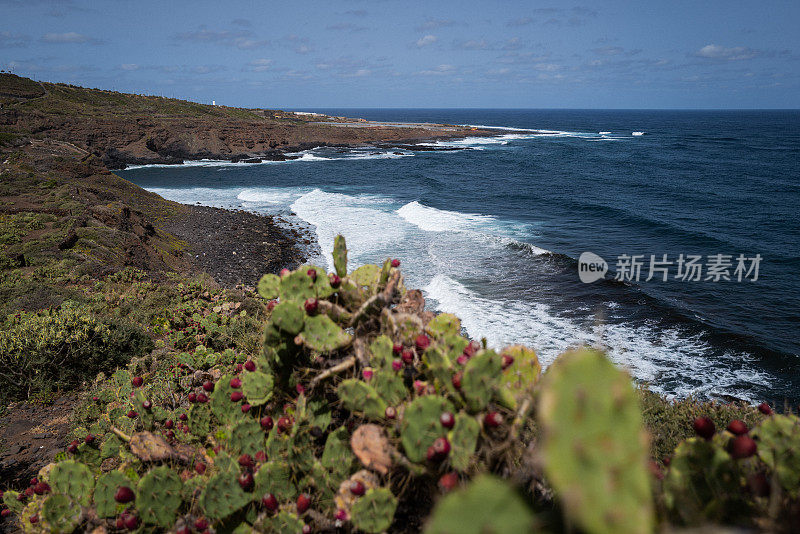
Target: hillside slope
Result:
[124, 128]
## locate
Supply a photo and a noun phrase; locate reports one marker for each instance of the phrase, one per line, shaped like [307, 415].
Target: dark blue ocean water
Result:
[493, 233]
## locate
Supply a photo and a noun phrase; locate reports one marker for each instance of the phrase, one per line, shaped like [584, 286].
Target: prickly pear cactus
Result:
[247, 437]
[323, 335]
[444, 324]
[421, 426]
[257, 387]
[269, 286]
[299, 286]
[340, 255]
[594, 446]
[73, 479]
[225, 410]
[520, 377]
[374, 511]
[223, 496]
[480, 380]
[275, 478]
[104, 491]
[159, 496]
[779, 448]
[487, 506]
[200, 420]
[463, 440]
[289, 317]
[61, 513]
[358, 396]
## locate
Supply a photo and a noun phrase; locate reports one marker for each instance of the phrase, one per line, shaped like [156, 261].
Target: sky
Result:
[431, 54]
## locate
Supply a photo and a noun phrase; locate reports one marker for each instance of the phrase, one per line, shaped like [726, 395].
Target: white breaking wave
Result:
[636, 134]
[605, 133]
[436, 220]
[650, 355]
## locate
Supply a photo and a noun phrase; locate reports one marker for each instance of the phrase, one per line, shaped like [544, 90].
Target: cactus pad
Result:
[269, 286]
[288, 316]
[374, 511]
[463, 440]
[275, 478]
[487, 506]
[73, 479]
[323, 335]
[224, 410]
[594, 445]
[247, 437]
[223, 496]
[340, 255]
[444, 324]
[200, 419]
[421, 426]
[257, 387]
[104, 491]
[779, 448]
[358, 396]
[480, 379]
[522, 375]
[159, 496]
[61, 513]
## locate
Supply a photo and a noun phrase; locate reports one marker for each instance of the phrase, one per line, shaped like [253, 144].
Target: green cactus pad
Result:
[61, 513]
[223, 496]
[200, 419]
[381, 353]
[283, 522]
[159, 496]
[594, 446]
[389, 386]
[337, 456]
[257, 387]
[487, 506]
[224, 410]
[73, 479]
[463, 440]
[520, 378]
[444, 324]
[104, 491]
[288, 316]
[323, 335]
[275, 478]
[420, 426]
[340, 255]
[247, 437]
[702, 483]
[374, 511]
[480, 379]
[298, 286]
[11, 502]
[779, 448]
[366, 276]
[269, 286]
[358, 396]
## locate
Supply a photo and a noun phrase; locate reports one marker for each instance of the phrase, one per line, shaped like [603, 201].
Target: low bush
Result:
[60, 348]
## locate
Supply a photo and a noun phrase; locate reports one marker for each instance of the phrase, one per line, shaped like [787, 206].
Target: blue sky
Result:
[643, 54]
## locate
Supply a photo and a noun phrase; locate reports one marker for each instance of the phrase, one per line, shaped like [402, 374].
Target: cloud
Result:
[736, 53]
[129, 66]
[68, 38]
[441, 70]
[346, 26]
[301, 45]
[523, 21]
[515, 43]
[242, 39]
[242, 22]
[432, 24]
[259, 65]
[356, 12]
[473, 44]
[13, 40]
[426, 40]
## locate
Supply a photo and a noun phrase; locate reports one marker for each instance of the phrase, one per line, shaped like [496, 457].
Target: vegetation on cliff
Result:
[356, 409]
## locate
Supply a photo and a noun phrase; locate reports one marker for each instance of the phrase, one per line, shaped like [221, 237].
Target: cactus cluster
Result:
[360, 404]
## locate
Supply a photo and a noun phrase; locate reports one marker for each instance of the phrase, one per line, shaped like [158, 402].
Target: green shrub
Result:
[60, 348]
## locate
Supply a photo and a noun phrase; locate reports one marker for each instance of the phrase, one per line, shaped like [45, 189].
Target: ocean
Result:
[493, 233]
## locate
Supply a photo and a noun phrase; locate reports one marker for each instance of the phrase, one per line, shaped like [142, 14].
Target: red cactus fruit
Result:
[200, 468]
[492, 420]
[147, 405]
[704, 427]
[131, 522]
[246, 460]
[441, 446]
[192, 397]
[366, 374]
[34, 519]
[246, 480]
[183, 417]
[311, 305]
[737, 427]
[397, 348]
[124, 495]
[284, 272]
[395, 263]
[266, 423]
[132, 414]
[261, 457]
[742, 447]
[89, 438]
[390, 412]
[357, 488]
[137, 381]
[169, 423]
[764, 408]
[236, 396]
[448, 481]
[202, 398]
[447, 419]
[208, 385]
[508, 361]
[407, 356]
[236, 383]
[245, 408]
[250, 365]
[341, 515]
[41, 488]
[456, 380]
[284, 424]
[312, 273]
[270, 502]
[335, 280]
[201, 523]
[422, 342]
[397, 365]
[303, 503]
